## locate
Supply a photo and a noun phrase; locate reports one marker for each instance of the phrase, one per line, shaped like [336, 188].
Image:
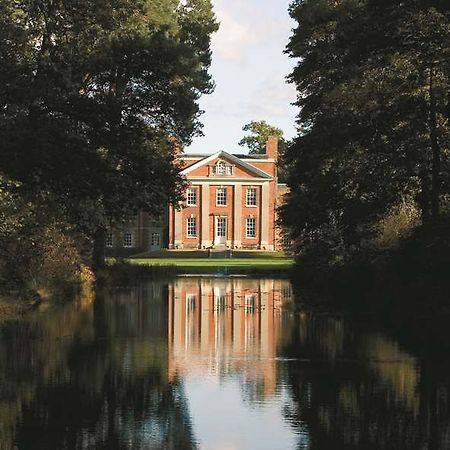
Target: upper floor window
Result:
[250, 227]
[191, 227]
[221, 197]
[251, 197]
[191, 197]
[128, 239]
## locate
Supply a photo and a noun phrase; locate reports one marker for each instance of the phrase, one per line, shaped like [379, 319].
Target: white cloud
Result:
[273, 98]
[243, 26]
[234, 38]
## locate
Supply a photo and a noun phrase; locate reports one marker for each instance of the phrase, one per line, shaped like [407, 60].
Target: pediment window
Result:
[221, 169]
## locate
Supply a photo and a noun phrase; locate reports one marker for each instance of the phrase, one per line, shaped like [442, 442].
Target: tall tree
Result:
[258, 133]
[373, 82]
[97, 96]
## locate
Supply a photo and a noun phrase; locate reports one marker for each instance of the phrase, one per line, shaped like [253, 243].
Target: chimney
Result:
[272, 147]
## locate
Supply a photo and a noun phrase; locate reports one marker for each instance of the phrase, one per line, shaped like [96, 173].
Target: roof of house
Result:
[237, 155]
[207, 158]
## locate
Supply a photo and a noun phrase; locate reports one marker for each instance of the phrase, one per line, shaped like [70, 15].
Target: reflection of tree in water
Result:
[105, 384]
[357, 389]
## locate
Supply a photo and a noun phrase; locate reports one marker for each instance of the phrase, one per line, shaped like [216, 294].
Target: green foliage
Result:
[259, 132]
[373, 81]
[398, 222]
[96, 97]
[37, 250]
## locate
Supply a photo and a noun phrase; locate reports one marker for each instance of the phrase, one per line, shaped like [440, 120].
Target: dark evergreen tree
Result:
[373, 82]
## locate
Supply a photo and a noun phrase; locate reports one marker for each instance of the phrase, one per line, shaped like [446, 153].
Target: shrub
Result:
[398, 222]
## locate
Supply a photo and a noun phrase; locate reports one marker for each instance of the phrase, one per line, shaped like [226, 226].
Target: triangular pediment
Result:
[243, 166]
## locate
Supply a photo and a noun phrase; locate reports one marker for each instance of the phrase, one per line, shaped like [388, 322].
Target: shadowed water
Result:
[220, 363]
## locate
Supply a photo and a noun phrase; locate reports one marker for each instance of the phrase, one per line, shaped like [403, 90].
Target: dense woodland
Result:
[369, 169]
[96, 98]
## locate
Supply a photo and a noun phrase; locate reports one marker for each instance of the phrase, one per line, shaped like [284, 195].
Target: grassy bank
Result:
[198, 262]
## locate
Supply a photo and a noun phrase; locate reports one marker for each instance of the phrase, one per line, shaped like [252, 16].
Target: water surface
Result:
[220, 363]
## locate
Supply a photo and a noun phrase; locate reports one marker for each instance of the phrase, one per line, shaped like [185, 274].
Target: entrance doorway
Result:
[221, 231]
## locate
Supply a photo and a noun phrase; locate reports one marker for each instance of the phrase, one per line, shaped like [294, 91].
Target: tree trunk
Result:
[98, 253]
[423, 199]
[436, 154]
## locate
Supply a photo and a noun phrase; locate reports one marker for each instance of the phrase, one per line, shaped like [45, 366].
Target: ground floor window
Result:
[250, 303]
[286, 241]
[191, 299]
[109, 240]
[250, 228]
[156, 239]
[191, 228]
[128, 241]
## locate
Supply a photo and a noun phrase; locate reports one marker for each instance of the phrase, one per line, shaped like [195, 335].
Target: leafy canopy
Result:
[96, 97]
[373, 85]
[259, 132]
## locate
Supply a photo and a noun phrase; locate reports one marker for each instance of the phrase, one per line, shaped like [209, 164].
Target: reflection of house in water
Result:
[226, 326]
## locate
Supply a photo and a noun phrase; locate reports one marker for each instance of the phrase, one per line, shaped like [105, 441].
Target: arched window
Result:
[221, 168]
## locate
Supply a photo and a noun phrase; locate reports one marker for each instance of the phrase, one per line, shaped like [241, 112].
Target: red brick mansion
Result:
[230, 203]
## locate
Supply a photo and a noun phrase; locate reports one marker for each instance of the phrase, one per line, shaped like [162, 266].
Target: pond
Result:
[220, 364]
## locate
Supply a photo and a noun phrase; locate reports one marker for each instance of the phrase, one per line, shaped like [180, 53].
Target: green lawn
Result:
[242, 262]
[213, 262]
[203, 254]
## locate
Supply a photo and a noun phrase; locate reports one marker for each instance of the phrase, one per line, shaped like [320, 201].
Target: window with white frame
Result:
[191, 300]
[191, 227]
[109, 240]
[191, 197]
[221, 168]
[221, 197]
[250, 303]
[128, 241]
[156, 239]
[251, 197]
[250, 227]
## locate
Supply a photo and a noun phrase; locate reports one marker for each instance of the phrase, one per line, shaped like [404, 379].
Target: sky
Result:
[249, 69]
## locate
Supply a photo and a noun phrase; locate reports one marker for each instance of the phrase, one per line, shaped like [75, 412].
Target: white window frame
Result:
[250, 303]
[223, 196]
[128, 243]
[252, 195]
[221, 168]
[153, 242]
[191, 302]
[251, 235]
[191, 197]
[109, 241]
[223, 227]
[191, 230]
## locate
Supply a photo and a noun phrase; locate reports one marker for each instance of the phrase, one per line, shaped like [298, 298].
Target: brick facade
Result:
[234, 224]
[220, 216]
